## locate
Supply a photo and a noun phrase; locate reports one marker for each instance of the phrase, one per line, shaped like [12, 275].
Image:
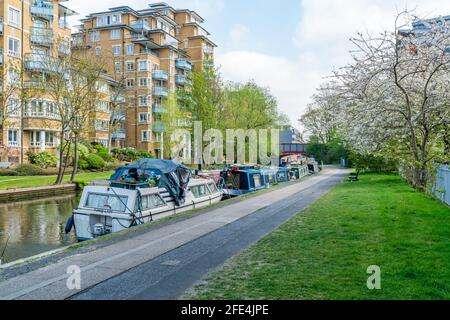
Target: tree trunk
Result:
[75, 160]
[61, 161]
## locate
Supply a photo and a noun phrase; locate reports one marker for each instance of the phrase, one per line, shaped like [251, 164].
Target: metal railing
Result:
[42, 36]
[183, 64]
[42, 8]
[160, 75]
[160, 92]
[180, 79]
[140, 25]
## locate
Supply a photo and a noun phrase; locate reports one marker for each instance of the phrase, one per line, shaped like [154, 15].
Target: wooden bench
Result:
[354, 177]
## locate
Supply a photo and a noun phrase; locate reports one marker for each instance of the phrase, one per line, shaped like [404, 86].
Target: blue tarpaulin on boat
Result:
[174, 176]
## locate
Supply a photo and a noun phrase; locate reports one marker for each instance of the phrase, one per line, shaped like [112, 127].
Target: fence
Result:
[442, 186]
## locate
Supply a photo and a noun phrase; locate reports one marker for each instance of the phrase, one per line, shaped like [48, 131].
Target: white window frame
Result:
[147, 65]
[144, 117]
[130, 52]
[14, 53]
[16, 142]
[132, 65]
[141, 82]
[143, 101]
[113, 35]
[98, 51]
[148, 133]
[19, 17]
[94, 36]
[130, 81]
[118, 53]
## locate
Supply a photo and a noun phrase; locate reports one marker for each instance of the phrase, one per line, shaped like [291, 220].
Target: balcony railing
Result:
[160, 75]
[63, 24]
[158, 108]
[1, 56]
[158, 127]
[42, 36]
[64, 48]
[140, 25]
[183, 64]
[160, 92]
[1, 25]
[180, 79]
[208, 50]
[42, 114]
[42, 8]
[40, 63]
[119, 135]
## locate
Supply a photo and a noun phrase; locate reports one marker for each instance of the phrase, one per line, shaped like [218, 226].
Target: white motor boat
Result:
[111, 206]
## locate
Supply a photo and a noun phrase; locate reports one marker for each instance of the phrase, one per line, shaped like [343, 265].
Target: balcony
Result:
[63, 24]
[158, 108]
[160, 75]
[40, 63]
[140, 25]
[1, 25]
[118, 99]
[160, 92]
[119, 135]
[208, 50]
[183, 64]
[42, 8]
[158, 127]
[41, 36]
[1, 56]
[180, 79]
[64, 48]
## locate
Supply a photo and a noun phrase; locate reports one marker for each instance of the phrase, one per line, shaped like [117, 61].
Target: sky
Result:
[289, 46]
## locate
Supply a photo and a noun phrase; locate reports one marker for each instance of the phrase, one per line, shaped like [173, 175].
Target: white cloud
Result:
[321, 39]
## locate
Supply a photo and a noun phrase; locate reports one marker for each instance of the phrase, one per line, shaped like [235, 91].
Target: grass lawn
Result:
[42, 181]
[324, 252]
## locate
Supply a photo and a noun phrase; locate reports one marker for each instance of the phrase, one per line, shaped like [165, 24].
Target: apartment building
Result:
[152, 51]
[31, 33]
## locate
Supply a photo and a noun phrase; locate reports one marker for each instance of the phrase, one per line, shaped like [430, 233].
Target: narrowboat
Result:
[146, 191]
[239, 180]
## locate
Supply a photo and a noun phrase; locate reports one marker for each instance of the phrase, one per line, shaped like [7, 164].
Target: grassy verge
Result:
[43, 181]
[324, 252]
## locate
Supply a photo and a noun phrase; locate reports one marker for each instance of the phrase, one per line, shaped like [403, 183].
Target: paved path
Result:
[164, 263]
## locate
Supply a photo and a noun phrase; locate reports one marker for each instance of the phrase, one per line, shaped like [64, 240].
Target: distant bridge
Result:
[289, 149]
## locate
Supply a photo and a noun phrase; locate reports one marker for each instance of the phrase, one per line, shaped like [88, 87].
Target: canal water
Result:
[35, 226]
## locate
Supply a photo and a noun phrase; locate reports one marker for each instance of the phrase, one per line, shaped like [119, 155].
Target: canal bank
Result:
[20, 194]
[99, 263]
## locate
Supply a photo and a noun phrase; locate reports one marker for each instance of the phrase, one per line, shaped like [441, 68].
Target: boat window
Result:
[257, 180]
[200, 191]
[106, 202]
[152, 201]
[213, 187]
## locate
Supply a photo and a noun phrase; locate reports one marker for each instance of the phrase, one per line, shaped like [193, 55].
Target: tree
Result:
[393, 98]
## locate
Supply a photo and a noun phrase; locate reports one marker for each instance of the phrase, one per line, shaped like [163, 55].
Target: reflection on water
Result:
[35, 226]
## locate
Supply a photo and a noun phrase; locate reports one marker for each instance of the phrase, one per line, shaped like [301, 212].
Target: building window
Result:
[186, 43]
[13, 47]
[143, 100]
[115, 34]
[116, 50]
[13, 108]
[130, 49]
[98, 51]
[130, 66]
[108, 20]
[13, 137]
[146, 136]
[95, 36]
[102, 106]
[130, 83]
[13, 77]
[14, 17]
[118, 67]
[144, 117]
[101, 125]
[143, 82]
[143, 65]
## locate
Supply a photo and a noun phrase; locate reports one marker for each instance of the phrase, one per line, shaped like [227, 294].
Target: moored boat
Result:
[140, 193]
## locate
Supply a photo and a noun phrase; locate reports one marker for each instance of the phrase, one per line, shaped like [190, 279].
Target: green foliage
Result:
[83, 164]
[105, 155]
[44, 159]
[99, 147]
[8, 173]
[30, 170]
[95, 161]
[329, 153]
[130, 154]
[371, 163]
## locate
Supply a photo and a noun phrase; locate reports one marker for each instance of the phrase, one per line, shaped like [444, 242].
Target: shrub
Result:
[99, 147]
[109, 166]
[105, 156]
[141, 154]
[44, 159]
[95, 161]
[130, 154]
[8, 173]
[83, 164]
[30, 170]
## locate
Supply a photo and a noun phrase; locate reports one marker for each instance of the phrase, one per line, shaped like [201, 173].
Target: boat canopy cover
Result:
[173, 176]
